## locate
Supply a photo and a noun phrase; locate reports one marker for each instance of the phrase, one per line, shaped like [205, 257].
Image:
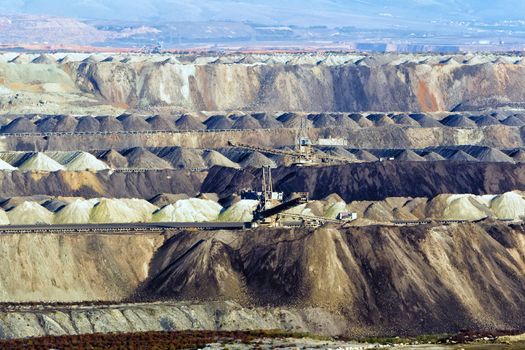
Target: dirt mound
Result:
[339, 151]
[103, 183]
[493, 155]
[114, 159]
[18, 125]
[54, 205]
[458, 121]
[461, 156]
[59, 123]
[240, 211]
[356, 271]
[433, 157]
[509, 205]
[361, 120]
[246, 122]
[215, 274]
[366, 156]
[390, 179]
[379, 212]
[403, 119]
[109, 124]
[6, 166]
[158, 122]
[131, 122]
[76, 212]
[457, 207]
[380, 119]
[65, 59]
[485, 120]
[403, 214]
[4, 220]
[142, 207]
[38, 162]
[322, 120]
[44, 59]
[189, 123]
[90, 60]
[410, 156]
[218, 122]
[519, 156]
[113, 211]
[344, 121]
[21, 59]
[188, 210]
[425, 121]
[513, 121]
[183, 158]
[257, 160]
[214, 158]
[78, 161]
[88, 124]
[293, 120]
[29, 213]
[163, 199]
[268, 122]
[139, 157]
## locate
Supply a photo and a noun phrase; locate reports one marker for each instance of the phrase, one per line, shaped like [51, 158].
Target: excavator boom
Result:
[290, 153]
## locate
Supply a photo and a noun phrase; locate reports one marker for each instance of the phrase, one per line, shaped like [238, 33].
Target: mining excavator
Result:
[302, 154]
[272, 209]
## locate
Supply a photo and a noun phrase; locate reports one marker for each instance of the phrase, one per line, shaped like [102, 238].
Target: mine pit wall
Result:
[359, 181]
[374, 137]
[170, 316]
[273, 138]
[73, 268]
[101, 184]
[377, 180]
[370, 280]
[277, 87]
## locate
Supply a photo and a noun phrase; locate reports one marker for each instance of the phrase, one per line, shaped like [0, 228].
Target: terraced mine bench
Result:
[122, 228]
[411, 222]
[135, 132]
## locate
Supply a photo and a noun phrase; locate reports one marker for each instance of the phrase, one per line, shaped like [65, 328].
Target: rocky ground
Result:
[138, 138]
[342, 82]
[460, 276]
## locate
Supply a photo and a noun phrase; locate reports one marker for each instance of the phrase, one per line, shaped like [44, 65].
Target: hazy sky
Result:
[302, 12]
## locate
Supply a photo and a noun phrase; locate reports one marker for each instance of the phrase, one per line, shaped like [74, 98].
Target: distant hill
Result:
[298, 12]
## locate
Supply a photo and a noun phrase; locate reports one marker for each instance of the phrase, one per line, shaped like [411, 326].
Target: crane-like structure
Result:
[303, 154]
[272, 209]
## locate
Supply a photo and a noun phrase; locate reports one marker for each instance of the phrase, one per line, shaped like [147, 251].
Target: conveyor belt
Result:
[311, 218]
[281, 207]
[123, 228]
[268, 150]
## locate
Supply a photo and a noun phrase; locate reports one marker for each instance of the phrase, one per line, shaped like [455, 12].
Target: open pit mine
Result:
[331, 194]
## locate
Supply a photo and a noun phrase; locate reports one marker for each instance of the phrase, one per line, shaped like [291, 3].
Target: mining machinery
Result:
[272, 209]
[302, 154]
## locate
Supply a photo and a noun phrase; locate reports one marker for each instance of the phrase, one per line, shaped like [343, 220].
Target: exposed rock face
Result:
[71, 268]
[101, 184]
[378, 180]
[349, 87]
[380, 278]
[394, 136]
[386, 280]
[359, 181]
[371, 84]
[165, 317]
